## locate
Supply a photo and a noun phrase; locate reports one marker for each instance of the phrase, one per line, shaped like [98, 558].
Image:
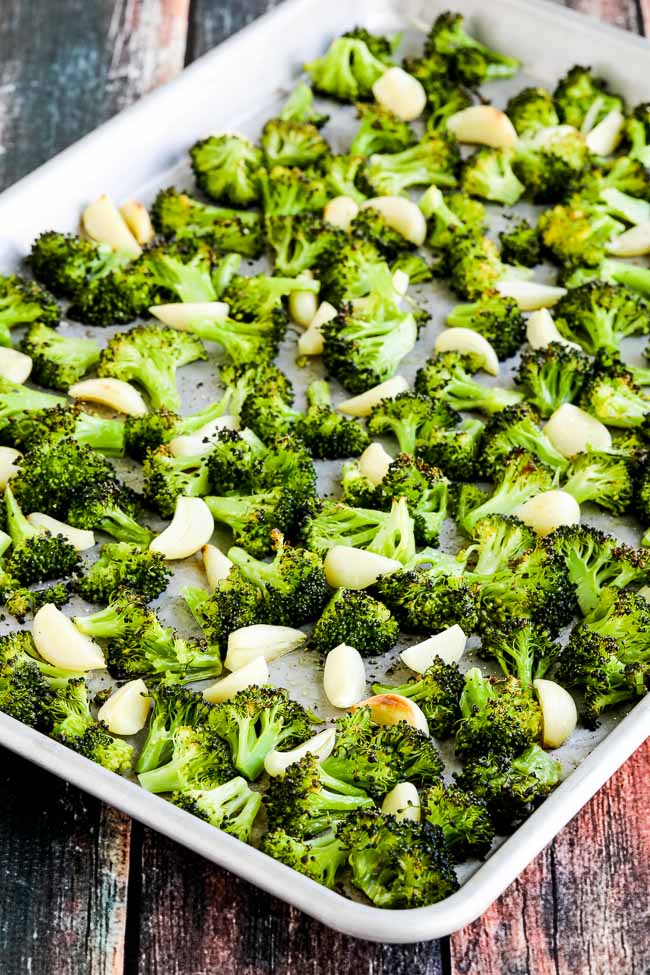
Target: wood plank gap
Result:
[133, 929]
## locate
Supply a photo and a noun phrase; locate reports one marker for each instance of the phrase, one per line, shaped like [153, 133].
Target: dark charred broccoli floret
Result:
[288, 191]
[110, 507]
[65, 263]
[123, 564]
[550, 162]
[495, 317]
[166, 478]
[427, 602]
[464, 820]
[355, 618]
[35, 556]
[472, 266]
[437, 692]
[370, 225]
[231, 807]
[21, 694]
[180, 217]
[520, 244]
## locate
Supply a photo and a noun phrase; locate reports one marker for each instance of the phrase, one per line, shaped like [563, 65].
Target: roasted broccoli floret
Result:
[583, 100]
[305, 800]
[110, 507]
[517, 426]
[354, 617]
[352, 272]
[67, 717]
[632, 276]
[598, 315]
[437, 692]
[428, 602]
[199, 759]
[552, 376]
[231, 807]
[251, 518]
[58, 361]
[299, 107]
[364, 346]
[226, 168]
[172, 707]
[18, 652]
[470, 61]
[637, 131]
[35, 556]
[425, 489]
[448, 376]
[150, 355]
[520, 244]
[522, 649]
[23, 302]
[233, 604]
[464, 820]
[343, 176]
[375, 758]
[391, 534]
[497, 541]
[577, 233]
[123, 564]
[287, 191]
[495, 317]
[166, 478]
[615, 399]
[21, 601]
[488, 174]
[521, 477]
[293, 585]
[181, 217]
[532, 109]
[257, 720]
[329, 434]
[454, 449]
[380, 131]
[595, 561]
[415, 266]
[511, 788]
[290, 143]
[550, 162]
[369, 224]
[472, 265]
[302, 241]
[348, 69]
[449, 215]
[397, 863]
[498, 717]
[321, 857]
[605, 477]
[21, 694]
[65, 263]
[433, 160]
[17, 400]
[410, 418]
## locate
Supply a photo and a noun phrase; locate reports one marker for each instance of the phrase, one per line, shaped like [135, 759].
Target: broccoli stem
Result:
[318, 393]
[224, 272]
[167, 778]
[101, 434]
[636, 278]
[19, 528]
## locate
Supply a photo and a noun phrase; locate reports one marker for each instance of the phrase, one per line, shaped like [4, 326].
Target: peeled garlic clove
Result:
[340, 211]
[374, 463]
[254, 674]
[115, 393]
[201, 441]
[469, 342]
[8, 465]
[402, 215]
[604, 137]
[572, 431]
[217, 565]
[126, 710]
[311, 342]
[354, 568]
[79, 538]
[400, 93]
[189, 530]
[14, 365]
[344, 676]
[261, 639]
[182, 314]
[388, 709]
[541, 330]
[401, 282]
[59, 642]
[402, 802]
[634, 242]
[483, 125]
[559, 713]
[320, 746]
[102, 221]
[362, 404]
[530, 295]
[303, 305]
[645, 592]
[448, 645]
[548, 511]
[136, 217]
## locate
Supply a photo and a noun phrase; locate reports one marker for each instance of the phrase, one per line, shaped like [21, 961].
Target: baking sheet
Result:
[139, 152]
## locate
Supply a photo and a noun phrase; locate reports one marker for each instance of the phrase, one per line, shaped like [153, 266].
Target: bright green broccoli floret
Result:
[166, 478]
[488, 174]
[355, 618]
[520, 244]
[35, 556]
[552, 376]
[66, 714]
[329, 434]
[231, 807]
[632, 276]
[472, 266]
[523, 649]
[291, 143]
[577, 233]
[251, 518]
[517, 426]
[233, 604]
[449, 215]
[256, 721]
[352, 272]
[550, 161]
[498, 717]
[470, 61]
[18, 651]
[496, 318]
[301, 241]
[497, 541]
[180, 217]
[66, 263]
[397, 863]
[426, 491]
[605, 477]
[637, 131]
[172, 707]
[58, 361]
[123, 564]
[454, 449]
[150, 355]
[299, 107]
[615, 400]
[448, 376]
[16, 399]
[23, 302]
[391, 534]
[464, 820]
[199, 760]
[532, 109]
[226, 168]
[410, 418]
[437, 692]
[321, 858]
[343, 176]
[380, 131]
[598, 315]
[348, 69]
[433, 160]
[287, 191]
[583, 100]
[292, 586]
[110, 507]
[521, 477]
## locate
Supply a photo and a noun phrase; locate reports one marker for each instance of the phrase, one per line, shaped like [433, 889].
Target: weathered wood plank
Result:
[621, 13]
[197, 919]
[63, 876]
[64, 72]
[212, 21]
[582, 907]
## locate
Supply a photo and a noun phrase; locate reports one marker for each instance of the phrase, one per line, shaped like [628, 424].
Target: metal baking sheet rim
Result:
[329, 907]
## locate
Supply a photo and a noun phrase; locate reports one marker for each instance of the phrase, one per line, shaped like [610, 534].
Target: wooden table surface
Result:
[85, 891]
